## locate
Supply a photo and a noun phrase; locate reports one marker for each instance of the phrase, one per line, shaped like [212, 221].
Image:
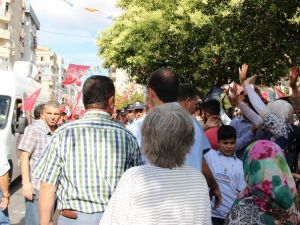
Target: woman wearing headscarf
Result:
[274, 119]
[165, 191]
[270, 197]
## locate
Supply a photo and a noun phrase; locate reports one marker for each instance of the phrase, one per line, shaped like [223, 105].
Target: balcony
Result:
[4, 34]
[5, 16]
[4, 52]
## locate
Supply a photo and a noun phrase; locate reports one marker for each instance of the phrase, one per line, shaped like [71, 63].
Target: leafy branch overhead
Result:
[204, 41]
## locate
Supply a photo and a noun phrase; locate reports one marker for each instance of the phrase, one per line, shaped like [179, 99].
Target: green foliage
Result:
[204, 41]
[125, 98]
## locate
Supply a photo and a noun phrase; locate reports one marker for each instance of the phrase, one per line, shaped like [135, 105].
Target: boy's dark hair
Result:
[186, 91]
[164, 82]
[226, 132]
[212, 107]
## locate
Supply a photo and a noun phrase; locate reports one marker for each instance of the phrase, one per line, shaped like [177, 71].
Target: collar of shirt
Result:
[95, 112]
[44, 125]
[221, 154]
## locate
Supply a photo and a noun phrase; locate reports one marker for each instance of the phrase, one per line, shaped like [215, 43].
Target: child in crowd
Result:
[227, 170]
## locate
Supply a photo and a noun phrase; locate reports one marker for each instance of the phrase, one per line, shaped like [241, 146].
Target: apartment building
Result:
[46, 61]
[61, 90]
[18, 27]
[31, 26]
[11, 32]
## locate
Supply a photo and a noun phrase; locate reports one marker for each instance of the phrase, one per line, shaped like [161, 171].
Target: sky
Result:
[81, 28]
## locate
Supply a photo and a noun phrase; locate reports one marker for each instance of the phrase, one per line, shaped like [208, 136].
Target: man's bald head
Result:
[164, 82]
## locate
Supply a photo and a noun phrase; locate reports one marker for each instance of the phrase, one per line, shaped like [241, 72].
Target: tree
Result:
[204, 41]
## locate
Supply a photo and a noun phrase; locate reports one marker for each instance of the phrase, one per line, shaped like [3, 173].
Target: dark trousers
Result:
[217, 221]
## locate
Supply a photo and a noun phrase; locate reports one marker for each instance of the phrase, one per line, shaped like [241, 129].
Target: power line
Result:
[67, 34]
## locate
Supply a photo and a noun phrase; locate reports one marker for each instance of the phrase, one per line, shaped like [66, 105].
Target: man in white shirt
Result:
[163, 88]
[4, 189]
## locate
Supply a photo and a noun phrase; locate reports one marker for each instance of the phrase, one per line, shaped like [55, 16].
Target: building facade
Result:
[31, 26]
[46, 61]
[18, 26]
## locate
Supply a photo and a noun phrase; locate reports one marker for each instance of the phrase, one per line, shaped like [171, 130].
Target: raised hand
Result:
[250, 80]
[243, 73]
[232, 95]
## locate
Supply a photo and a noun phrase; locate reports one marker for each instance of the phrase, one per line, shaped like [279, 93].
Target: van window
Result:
[4, 110]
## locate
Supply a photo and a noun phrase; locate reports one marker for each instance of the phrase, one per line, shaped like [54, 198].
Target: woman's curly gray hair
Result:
[168, 135]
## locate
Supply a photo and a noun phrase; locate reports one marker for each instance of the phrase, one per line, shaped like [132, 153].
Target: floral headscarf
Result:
[270, 183]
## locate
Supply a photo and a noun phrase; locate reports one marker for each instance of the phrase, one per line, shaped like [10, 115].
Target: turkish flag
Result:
[69, 79]
[30, 100]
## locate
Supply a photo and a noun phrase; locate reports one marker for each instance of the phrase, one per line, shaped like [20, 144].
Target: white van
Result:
[14, 88]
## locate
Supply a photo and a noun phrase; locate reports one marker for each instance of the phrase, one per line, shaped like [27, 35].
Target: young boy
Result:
[227, 170]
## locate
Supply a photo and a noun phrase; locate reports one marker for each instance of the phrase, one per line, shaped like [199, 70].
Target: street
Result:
[17, 205]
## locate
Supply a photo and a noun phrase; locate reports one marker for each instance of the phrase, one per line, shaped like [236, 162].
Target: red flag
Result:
[30, 100]
[78, 83]
[76, 104]
[77, 70]
[69, 79]
[279, 93]
[78, 97]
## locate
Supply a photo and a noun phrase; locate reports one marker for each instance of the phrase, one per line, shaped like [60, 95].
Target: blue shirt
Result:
[244, 132]
[194, 158]
[229, 174]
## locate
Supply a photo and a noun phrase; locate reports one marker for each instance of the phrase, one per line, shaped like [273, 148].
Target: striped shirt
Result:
[86, 159]
[34, 141]
[149, 195]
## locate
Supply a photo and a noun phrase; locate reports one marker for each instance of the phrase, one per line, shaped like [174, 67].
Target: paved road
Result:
[17, 206]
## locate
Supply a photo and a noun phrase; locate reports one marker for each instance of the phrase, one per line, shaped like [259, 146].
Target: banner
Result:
[74, 74]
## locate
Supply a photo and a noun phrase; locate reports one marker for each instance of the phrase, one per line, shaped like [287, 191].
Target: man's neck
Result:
[52, 128]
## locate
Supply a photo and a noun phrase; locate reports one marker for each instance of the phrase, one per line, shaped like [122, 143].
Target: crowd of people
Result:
[173, 160]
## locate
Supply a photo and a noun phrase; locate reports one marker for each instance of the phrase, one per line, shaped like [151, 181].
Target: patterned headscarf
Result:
[270, 183]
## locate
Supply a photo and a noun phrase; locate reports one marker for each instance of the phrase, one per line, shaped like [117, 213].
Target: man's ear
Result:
[207, 115]
[152, 94]
[111, 102]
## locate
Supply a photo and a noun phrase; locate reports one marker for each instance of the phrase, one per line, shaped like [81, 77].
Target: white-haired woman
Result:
[166, 191]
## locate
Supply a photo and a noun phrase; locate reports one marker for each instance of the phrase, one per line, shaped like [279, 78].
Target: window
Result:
[6, 7]
[4, 110]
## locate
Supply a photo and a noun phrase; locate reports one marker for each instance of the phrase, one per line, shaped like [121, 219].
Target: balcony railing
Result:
[4, 34]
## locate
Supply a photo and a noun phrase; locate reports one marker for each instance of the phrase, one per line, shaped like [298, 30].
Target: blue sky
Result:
[81, 27]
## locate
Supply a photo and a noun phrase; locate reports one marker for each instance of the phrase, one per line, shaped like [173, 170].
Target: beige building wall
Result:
[12, 17]
[47, 63]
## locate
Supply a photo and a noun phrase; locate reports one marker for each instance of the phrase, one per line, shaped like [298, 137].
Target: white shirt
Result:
[229, 174]
[149, 195]
[4, 165]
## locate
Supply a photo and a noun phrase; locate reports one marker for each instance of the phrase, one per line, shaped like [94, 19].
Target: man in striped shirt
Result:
[85, 159]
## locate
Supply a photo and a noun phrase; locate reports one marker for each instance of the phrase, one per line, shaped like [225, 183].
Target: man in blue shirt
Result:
[163, 88]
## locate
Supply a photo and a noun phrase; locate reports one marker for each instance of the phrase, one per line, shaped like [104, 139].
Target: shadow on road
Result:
[15, 185]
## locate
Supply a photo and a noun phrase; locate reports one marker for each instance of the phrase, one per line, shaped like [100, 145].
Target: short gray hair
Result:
[54, 104]
[168, 135]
